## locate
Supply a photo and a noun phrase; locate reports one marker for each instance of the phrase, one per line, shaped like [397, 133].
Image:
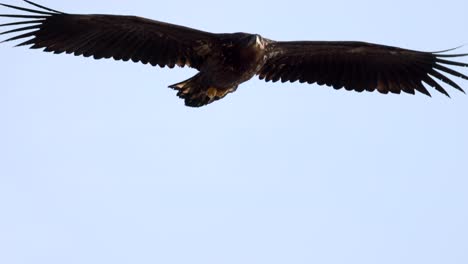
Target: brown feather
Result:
[226, 60]
[360, 66]
[106, 36]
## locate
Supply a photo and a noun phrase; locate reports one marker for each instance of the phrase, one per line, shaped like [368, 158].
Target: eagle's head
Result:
[245, 41]
[256, 41]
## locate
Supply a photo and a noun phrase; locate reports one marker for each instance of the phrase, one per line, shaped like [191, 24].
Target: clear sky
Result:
[101, 163]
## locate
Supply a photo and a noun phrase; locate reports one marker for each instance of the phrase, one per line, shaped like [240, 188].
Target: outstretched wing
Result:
[110, 36]
[360, 66]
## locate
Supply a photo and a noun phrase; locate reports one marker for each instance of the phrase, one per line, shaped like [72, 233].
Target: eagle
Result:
[226, 60]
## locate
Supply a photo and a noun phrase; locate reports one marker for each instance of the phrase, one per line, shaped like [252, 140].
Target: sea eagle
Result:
[224, 61]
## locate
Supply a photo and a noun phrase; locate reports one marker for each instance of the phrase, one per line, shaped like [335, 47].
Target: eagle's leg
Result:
[197, 92]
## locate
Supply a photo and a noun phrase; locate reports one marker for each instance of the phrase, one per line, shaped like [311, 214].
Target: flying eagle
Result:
[224, 61]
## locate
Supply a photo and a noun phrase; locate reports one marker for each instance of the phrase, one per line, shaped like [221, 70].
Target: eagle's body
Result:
[236, 59]
[224, 61]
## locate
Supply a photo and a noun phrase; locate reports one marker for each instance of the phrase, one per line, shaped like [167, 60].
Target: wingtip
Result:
[6, 5]
[29, 2]
[447, 50]
[427, 93]
[43, 7]
[443, 91]
[5, 41]
[442, 53]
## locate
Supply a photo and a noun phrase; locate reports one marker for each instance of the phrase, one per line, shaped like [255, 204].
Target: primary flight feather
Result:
[224, 61]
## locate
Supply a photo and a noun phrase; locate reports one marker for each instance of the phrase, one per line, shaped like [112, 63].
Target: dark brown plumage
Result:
[226, 60]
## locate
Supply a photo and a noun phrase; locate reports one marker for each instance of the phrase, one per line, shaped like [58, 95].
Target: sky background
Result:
[101, 163]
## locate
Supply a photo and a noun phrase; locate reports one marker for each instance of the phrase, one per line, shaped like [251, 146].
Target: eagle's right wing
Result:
[110, 36]
[360, 66]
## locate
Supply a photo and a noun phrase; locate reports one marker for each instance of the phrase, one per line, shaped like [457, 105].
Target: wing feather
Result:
[109, 36]
[360, 66]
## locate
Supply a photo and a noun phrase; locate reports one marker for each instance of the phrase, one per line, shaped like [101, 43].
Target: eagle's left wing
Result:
[110, 36]
[360, 66]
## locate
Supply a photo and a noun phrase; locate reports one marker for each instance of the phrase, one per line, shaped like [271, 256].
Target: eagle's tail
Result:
[197, 92]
